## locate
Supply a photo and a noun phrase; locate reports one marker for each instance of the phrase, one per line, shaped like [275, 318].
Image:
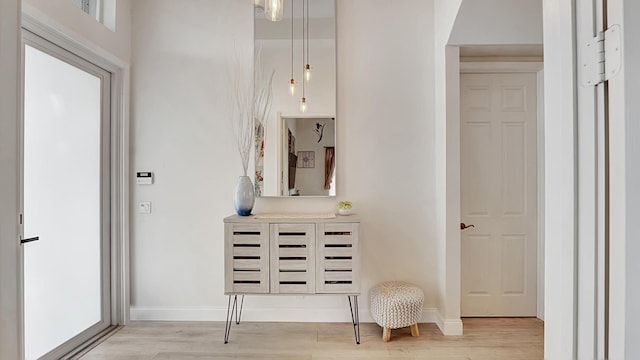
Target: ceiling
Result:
[317, 9]
[322, 25]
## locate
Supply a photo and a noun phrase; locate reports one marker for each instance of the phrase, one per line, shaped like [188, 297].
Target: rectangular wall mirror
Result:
[295, 147]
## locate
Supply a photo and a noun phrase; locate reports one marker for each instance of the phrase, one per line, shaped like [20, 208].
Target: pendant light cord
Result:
[292, 18]
[307, 62]
[304, 59]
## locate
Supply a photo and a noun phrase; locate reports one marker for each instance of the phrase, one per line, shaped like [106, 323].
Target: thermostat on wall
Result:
[144, 178]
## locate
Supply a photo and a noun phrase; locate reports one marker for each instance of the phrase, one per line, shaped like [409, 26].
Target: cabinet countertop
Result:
[293, 218]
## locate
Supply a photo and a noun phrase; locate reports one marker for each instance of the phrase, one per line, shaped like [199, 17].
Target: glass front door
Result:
[65, 199]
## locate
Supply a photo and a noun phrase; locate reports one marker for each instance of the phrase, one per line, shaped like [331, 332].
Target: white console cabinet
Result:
[295, 254]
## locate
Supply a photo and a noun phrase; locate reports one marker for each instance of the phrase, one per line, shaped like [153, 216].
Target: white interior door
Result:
[65, 200]
[498, 194]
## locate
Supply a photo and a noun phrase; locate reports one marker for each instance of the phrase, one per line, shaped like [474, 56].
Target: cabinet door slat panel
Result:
[246, 258]
[338, 258]
[293, 258]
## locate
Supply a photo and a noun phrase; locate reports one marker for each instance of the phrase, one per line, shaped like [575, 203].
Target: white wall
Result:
[498, 22]
[10, 329]
[181, 129]
[560, 182]
[447, 12]
[447, 210]
[64, 16]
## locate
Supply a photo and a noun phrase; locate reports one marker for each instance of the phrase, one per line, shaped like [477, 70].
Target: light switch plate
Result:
[144, 207]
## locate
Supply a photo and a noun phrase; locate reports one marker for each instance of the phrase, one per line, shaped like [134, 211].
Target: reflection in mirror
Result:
[308, 154]
[286, 47]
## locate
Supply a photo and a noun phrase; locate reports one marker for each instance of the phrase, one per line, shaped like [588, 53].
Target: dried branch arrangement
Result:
[252, 91]
[263, 94]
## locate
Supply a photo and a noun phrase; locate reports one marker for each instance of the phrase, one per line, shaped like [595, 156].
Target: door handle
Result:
[464, 226]
[28, 240]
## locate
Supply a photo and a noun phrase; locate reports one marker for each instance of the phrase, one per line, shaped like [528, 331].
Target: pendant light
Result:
[303, 101]
[307, 67]
[292, 82]
[273, 9]
[303, 104]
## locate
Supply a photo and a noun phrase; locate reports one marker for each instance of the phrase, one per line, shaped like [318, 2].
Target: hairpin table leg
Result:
[355, 316]
[239, 313]
[230, 310]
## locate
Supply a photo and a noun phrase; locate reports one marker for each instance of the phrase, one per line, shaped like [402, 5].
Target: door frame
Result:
[453, 161]
[118, 163]
[10, 301]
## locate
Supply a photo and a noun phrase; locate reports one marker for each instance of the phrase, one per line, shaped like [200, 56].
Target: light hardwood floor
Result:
[488, 338]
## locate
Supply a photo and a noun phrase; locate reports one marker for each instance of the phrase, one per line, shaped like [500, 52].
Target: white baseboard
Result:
[263, 314]
[448, 327]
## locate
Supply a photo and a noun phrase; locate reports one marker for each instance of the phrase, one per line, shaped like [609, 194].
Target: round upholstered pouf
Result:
[396, 304]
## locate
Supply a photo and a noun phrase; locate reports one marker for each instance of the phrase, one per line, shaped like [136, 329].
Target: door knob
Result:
[464, 226]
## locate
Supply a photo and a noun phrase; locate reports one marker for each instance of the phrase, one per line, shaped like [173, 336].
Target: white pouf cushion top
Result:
[396, 304]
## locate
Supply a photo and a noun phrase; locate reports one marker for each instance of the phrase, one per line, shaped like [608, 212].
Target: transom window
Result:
[101, 10]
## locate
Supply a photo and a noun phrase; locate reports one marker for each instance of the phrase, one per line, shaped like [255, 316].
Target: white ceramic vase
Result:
[244, 196]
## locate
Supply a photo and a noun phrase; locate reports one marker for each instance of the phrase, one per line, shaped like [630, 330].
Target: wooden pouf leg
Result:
[386, 334]
[414, 330]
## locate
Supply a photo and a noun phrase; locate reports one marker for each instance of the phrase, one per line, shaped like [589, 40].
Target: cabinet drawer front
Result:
[293, 258]
[338, 258]
[246, 258]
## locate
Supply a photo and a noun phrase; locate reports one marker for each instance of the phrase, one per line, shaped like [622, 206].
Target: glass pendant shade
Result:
[274, 9]
[292, 86]
[303, 104]
[307, 72]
